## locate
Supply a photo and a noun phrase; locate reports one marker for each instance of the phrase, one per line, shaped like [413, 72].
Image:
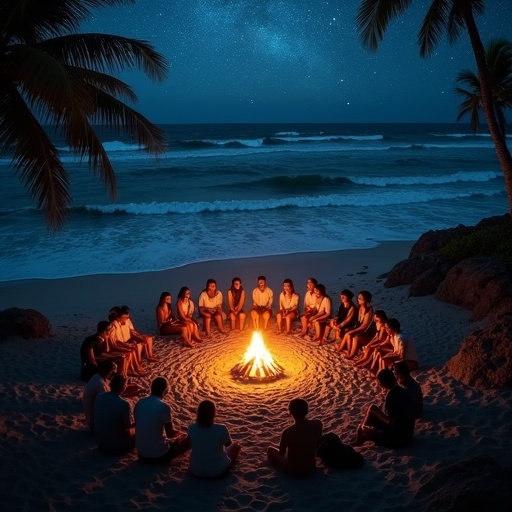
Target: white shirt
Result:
[205, 301]
[263, 298]
[95, 386]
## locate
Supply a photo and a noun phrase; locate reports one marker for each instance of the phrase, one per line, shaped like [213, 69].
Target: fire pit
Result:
[257, 365]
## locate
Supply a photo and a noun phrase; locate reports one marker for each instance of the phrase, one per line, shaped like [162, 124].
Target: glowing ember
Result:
[258, 363]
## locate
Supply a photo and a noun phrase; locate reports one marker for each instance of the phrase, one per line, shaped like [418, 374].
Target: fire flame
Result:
[258, 362]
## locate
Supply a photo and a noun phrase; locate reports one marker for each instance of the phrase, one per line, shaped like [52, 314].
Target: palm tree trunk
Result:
[497, 136]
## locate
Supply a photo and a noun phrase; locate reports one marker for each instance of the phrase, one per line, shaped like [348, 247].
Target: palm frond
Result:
[373, 17]
[433, 26]
[107, 53]
[35, 159]
[30, 21]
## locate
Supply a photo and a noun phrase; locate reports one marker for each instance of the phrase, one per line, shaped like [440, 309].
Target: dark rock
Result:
[470, 485]
[477, 283]
[427, 283]
[407, 271]
[484, 359]
[433, 240]
[27, 323]
[497, 220]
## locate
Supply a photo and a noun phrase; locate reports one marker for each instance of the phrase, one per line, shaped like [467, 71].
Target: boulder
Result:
[477, 283]
[27, 323]
[469, 485]
[433, 240]
[484, 359]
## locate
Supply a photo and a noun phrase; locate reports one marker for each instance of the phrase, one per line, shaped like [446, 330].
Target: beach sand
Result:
[49, 460]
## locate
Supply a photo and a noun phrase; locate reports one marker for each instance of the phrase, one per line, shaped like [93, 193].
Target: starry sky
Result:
[254, 61]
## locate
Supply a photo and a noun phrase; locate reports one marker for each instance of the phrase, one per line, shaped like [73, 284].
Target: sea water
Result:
[232, 191]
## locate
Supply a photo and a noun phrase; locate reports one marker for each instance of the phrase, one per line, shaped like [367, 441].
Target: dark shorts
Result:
[175, 448]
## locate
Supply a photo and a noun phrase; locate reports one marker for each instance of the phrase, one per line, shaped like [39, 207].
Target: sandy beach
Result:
[49, 460]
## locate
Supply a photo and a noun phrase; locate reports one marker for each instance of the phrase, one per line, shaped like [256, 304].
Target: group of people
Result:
[150, 428]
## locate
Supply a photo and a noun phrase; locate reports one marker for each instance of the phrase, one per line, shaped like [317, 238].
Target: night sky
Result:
[292, 61]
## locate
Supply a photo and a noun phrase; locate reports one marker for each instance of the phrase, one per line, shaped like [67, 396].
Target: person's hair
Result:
[290, 282]
[321, 287]
[163, 296]
[205, 413]
[106, 367]
[347, 294]
[366, 295]
[402, 369]
[313, 280]
[234, 280]
[158, 386]
[393, 324]
[124, 310]
[181, 293]
[386, 378]
[262, 278]
[113, 314]
[102, 326]
[381, 315]
[117, 383]
[298, 408]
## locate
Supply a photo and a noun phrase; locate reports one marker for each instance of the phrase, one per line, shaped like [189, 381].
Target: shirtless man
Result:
[296, 454]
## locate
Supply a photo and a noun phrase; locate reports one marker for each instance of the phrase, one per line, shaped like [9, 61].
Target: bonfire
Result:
[257, 363]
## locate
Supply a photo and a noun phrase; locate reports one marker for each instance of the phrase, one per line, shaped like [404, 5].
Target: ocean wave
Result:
[113, 146]
[296, 181]
[465, 135]
[464, 177]
[333, 200]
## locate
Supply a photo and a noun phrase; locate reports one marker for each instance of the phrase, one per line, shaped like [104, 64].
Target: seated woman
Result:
[322, 318]
[288, 307]
[210, 307]
[365, 329]
[345, 319]
[213, 451]
[236, 301]
[185, 307]
[404, 348]
[379, 345]
[167, 323]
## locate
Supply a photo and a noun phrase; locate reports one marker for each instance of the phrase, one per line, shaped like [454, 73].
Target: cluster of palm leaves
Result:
[50, 74]
[490, 90]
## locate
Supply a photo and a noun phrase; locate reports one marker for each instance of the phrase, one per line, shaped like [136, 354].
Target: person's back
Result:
[112, 419]
[150, 414]
[411, 385]
[302, 440]
[400, 407]
[96, 385]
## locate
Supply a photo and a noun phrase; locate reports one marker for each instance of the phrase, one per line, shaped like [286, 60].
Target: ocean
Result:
[234, 191]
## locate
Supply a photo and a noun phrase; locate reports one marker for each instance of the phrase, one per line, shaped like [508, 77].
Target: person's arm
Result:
[283, 444]
[231, 306]
[270, 298]
[169, 430]
[92, 358]
[294, 304]
[160, 317]
[218, 306]
[367, 320]
[349, 318]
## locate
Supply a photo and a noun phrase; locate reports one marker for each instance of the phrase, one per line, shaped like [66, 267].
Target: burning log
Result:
[257, 364]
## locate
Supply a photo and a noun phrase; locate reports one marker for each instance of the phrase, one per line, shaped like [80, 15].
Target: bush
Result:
[493, 241]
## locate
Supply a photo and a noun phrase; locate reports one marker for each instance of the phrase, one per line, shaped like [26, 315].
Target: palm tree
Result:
[443, 16]
[51, 74]
[499, 61]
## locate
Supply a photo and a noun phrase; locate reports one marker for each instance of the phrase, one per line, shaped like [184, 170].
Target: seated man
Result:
[210, 307]
[296, 454]
[262, 298]
[97, 384]
[393, 427]
[411, 385]
[113, 424]
[95, 349]
[125, 332]
[156, 439]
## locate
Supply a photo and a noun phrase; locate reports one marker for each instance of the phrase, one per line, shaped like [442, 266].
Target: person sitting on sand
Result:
[322, 317]
[288, 307]
[310, 306]
[411, 385]
[262, 298]
[113, 423]
[167, 323]
[344, 320]
[95, 349]
[210, 307]
[185, 307]
[213, 451]
[236, 301]
[124, 331]
[393, 426]
[379, 346]
[97, 384]
[296, 454]
[365, 329]
[156, 439]
[404, 348]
